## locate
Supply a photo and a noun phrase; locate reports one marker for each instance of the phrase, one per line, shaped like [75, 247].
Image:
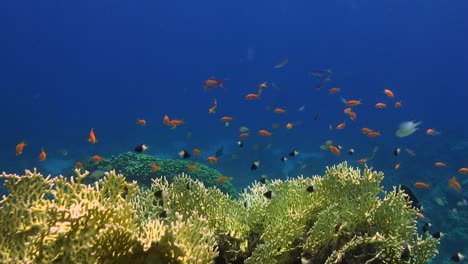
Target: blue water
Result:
[67, 67]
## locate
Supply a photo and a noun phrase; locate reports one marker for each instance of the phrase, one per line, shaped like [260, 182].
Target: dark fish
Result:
[141, 148]
[263, 179]
[351, 152]
[268, 194]
[317, 115]
[426, 226]
[219, 152]
[158, 194]
[293, 153]
[311, 189]
[184, 154]
[163, 214]
[240, 144]
[457, 257]
[437, 234]
[283, 159]
[412, 198]
[397, 151]
[255, 165]
[322, 83]
[406, 253]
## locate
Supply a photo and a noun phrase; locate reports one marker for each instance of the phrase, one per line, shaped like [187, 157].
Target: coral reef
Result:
[342, 217]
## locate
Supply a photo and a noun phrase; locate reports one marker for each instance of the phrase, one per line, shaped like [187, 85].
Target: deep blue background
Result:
[69, 66]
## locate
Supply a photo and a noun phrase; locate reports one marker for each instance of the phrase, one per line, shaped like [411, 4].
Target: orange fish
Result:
[454, 184]
[421, 185]
[432, 132]
[43, 155]
[347, 110]
[252, 96]
[212, 110]
[212, 159]
[92, 136]
[79, 165]
[353, 102]
[279, 111]
[341, 126]
[196, 151]
[373, 134]
[141, 122]
[440, 164]
[334, 90]
[97, 158]
[154, 167]
[166, 120]
[20, 148]
[334, 150]
[175, 122]
[463, 170]
[366, 130]
[397, 166]
[289, 125]
[420, 215]
[226, 119]
[244, 135]
[362, 161]
[211, 83]
[380, 105]
[221, 179]
[264, 133]
[352, 115]
[389, 93]
[398, 104]
[192, 167]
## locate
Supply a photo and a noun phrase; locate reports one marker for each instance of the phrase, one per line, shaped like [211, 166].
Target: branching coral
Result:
[342, 217]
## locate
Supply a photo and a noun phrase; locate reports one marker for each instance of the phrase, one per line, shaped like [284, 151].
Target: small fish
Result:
[97, 158]
[92, 137]
[196, 151]
[396, 152]
[244, 129]
[289, 125]
[411, 152]
[221, 179]
[212, 159]
[261, 86]
[453, 183]
[244, 135]
[255, 165]
[275, 125]
[293, 153]
[211, 83]
[437, 234]
[317, 116]
[463, 170]
[341, 126]
[440, 164]
[192, 167]
[43, 155]
[141, 148]
[20, 148]
[311, 188]
[279, 111]
[163, 214]
[380, 105]
[334, 149]
[141, 122]
[397, 166]
[426, 227]
[166, 120]
[320, 73]
[184, 154]
[398, 104]
[457, 257]
[389, 93]
[240, 144]
[373, 134]
[159, 194]
[264, 133]
[353, 102]
[334, 90]
[212, 109]
[79, 165]
[284, 159]
[322, 83]
[282, 63]
[268, 194]
[301, 109]
[351, 152]
[421, 185]
[264, 179]
[432, 132]
[406, 253]
[252, 97]
[154, 167]
[219, 152]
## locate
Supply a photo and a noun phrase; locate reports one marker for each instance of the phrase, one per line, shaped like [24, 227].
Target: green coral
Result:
[342, 217]
[138, 167]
